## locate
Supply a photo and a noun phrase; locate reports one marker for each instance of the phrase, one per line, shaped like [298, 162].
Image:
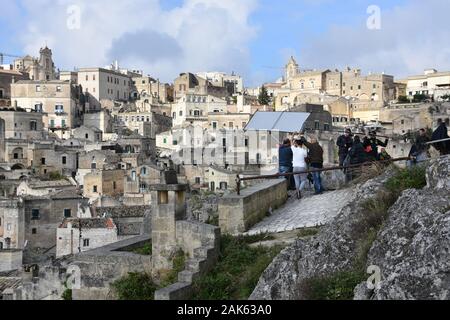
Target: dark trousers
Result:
[290, 179]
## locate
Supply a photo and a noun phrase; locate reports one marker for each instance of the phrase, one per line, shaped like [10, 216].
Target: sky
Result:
[253, 38]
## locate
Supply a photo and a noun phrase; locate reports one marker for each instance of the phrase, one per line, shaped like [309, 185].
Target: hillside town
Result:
[98, 160]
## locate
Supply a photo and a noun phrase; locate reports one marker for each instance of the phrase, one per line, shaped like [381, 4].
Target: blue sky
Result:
[251, 37]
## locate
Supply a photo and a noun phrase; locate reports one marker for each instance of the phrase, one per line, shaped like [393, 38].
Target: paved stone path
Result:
[308, 212]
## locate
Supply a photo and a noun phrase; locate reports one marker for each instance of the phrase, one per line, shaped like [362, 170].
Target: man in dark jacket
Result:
[344, 143]
[315, 156]
[441, 133]
[371, 145]
[285, 157]
[357, 156]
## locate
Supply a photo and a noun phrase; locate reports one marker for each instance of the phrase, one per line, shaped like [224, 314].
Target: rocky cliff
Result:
[405, 235]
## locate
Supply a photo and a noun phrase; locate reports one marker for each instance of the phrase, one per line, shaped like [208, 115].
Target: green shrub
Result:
[237, 272]
[338, 286]
[135, 286]
[307, 232]
[145, 250]
[55, 176]
[409, 178]
[67, 294]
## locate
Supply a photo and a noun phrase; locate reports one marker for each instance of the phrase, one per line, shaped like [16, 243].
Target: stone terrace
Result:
[307, 212]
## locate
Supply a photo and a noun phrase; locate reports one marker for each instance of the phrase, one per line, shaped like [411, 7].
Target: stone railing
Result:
[201, 242]
[238, 213]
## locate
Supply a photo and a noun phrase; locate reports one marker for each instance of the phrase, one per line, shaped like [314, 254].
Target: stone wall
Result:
[201, 243]
[237, 213]
[10, 259]
[102, 266]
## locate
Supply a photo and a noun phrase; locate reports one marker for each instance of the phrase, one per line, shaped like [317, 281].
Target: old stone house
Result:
[43, 214]
[75, 235]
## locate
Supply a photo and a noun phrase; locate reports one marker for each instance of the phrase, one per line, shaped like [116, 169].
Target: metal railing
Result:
[239, 179]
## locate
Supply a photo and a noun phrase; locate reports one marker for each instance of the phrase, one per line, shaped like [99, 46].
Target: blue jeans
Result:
[286, 169]
[318, 187]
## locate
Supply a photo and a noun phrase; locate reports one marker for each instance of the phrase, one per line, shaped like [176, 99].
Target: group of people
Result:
[297, 156]
[353, 150]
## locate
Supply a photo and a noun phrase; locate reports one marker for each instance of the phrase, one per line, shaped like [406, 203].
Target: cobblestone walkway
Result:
[307, 212]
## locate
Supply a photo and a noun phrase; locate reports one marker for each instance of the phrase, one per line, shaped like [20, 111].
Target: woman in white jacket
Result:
[300, 153]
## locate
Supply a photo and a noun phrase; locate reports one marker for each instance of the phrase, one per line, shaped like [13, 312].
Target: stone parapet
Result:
[238, 213]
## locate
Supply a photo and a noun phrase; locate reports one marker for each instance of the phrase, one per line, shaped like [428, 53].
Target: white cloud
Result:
[198, 35]
[413, 37]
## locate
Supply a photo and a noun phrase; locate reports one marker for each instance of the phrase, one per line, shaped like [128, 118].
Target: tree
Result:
[263, 98]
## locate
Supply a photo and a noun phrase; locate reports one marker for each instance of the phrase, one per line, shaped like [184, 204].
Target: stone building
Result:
[233, 83]
[147, 124]
[50, 158]
[144, 87]
[94, 160]
[75, 235]
[7, 77]
[12, 223]
[43, 214]
[60, 102]
[19, 124]
[42, 68]
[104, 182]
[427, 83]
[194, 108]
[102, 84]
[349, 83]
[87, 133]
[38, 188]
[101, 119]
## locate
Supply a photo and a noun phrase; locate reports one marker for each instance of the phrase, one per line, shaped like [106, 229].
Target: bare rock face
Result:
[332, 250]
[412, 249]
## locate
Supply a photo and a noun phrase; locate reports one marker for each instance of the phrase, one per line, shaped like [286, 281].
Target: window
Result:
[93, 165]
[374, 86]
[38, 107]
[35, 214]
[94, 189]
[214, 125]
[114, 185]
[59, 108]
[85, 242]
[86, 136]
[38, 88]
[9, 227]
[316, 125]
[0, 222]
[87, 78]
[64, 160]
[181, 113]
[326, 127]
[63, 123]
[197, 180]
[93, 77]
[42, 160]
[67, 213]
[33, 231]
[33, 125]
[359, 87]
[16, 156]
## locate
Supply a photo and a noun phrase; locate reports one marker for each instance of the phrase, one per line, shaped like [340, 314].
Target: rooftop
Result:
[124, 211]
[89, 223]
